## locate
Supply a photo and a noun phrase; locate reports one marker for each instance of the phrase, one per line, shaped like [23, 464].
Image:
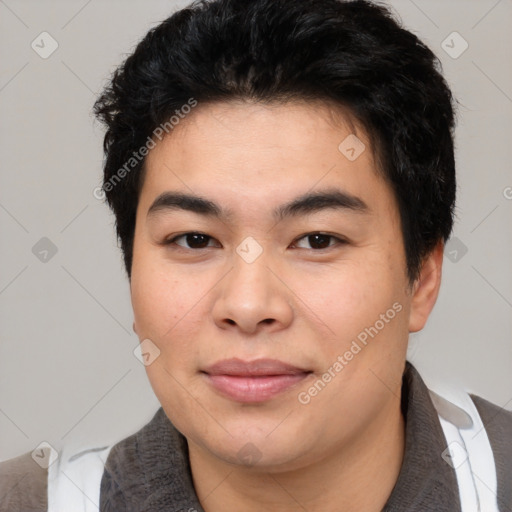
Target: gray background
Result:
[67, 369]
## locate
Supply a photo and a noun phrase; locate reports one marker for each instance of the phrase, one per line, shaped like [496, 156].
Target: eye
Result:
[319, 241]
[192, 240]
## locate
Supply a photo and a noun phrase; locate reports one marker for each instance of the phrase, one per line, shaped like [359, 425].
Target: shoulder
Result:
[79, 470]
[498, 425]
[23, 485]
[493, 415]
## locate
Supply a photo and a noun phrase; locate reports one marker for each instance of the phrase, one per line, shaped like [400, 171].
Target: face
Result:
[269, 272]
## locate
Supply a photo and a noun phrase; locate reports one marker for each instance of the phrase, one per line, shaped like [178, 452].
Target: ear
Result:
[426, 288]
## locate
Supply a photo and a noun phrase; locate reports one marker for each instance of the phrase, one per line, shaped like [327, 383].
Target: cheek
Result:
[348, 298]
[169, 310]
[161, 299]
[166, 309]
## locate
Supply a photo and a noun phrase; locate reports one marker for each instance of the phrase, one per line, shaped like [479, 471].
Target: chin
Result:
[254, 447]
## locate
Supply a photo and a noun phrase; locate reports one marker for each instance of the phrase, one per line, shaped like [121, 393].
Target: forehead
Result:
[253, 155]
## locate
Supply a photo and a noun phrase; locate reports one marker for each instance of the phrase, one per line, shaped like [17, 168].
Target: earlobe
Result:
[426, 288]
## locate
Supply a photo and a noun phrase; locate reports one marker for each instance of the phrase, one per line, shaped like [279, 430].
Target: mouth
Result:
[253, 381]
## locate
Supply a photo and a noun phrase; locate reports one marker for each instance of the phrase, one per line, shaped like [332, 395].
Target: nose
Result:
[251, 298]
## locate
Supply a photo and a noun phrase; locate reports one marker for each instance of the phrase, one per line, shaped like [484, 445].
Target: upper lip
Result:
[258, 367]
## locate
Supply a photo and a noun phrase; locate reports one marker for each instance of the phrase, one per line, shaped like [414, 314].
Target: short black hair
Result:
[354, 54]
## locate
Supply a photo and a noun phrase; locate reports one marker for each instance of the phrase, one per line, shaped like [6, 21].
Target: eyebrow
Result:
[308, 203]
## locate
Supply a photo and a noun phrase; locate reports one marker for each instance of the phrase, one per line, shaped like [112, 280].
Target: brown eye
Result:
[319, 241]
[191, 240]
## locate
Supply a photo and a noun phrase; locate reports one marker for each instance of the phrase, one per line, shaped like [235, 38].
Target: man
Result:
[283, 181]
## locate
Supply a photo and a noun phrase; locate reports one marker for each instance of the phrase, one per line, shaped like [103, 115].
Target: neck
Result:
[340, 481]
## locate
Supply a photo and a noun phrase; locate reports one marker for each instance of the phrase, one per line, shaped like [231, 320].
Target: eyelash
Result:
[172, 241]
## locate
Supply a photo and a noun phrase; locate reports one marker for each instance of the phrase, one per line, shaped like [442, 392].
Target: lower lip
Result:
[254, 389]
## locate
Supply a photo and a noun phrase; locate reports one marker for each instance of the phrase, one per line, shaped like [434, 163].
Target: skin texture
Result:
[295, 303]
